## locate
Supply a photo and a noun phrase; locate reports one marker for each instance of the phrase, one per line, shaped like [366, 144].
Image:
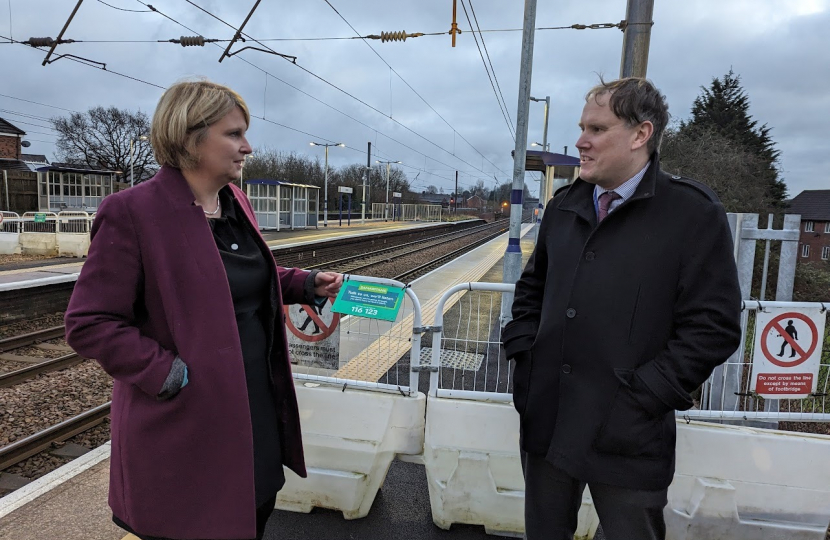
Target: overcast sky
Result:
[778, 47]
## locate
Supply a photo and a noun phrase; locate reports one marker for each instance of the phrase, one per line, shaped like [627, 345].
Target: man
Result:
[627, 304]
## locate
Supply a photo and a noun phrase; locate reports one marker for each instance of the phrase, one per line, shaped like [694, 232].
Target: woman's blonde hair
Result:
[182, 118]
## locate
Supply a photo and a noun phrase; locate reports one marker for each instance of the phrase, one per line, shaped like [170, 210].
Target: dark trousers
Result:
[263, 512]
[552, 501]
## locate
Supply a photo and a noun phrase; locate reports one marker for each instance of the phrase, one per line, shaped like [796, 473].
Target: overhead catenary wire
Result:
[449, 167]
[37, 103]
[499, 97]
[620, 25]
[124, 9]
[309, 72]
[86, 62]
[410, 86]
[25, 115]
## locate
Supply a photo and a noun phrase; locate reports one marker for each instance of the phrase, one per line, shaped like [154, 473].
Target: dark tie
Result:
[605, 201]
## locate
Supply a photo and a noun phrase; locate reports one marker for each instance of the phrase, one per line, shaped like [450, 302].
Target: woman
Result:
[181, 303]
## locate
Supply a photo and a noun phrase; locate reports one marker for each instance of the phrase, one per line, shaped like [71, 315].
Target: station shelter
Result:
[283, 205]
[64, 186]
[559, 170]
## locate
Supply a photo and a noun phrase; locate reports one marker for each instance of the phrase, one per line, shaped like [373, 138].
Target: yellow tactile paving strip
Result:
[374, 361]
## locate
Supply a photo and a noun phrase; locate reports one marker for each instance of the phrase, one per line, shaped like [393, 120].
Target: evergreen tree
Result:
[723, 108]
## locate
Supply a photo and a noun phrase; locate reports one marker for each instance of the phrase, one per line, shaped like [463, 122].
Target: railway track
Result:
[357, 262]
[32, 338]
[19, 450]
[39, 365]
[321, 253]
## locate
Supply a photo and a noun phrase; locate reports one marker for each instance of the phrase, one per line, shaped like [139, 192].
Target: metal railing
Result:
[368, 353]
[466, 359]
[10, 223]
[39, 222]
[731, 387]
[72, 222]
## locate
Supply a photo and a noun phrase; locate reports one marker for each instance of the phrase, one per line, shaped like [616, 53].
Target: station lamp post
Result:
[326, 180]
[386, 208]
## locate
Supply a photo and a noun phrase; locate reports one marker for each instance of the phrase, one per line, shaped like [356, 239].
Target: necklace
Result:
[218, 207]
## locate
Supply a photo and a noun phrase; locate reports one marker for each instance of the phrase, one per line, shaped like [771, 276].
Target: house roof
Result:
[813, 205]
[35, 158]
[536, 160]
[435, 198]
[13, 165]
[73, 167]
[6, 127]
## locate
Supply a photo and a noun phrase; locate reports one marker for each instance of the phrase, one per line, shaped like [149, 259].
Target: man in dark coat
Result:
[627, 304]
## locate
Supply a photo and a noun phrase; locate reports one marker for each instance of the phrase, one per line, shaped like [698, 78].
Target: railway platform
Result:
[71, 502]
[15, 276]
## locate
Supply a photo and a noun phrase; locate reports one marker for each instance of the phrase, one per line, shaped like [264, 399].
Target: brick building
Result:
[10, 138]
[814, 208]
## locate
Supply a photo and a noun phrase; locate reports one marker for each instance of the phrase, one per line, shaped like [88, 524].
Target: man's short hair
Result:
[182, 118]
[636, 100]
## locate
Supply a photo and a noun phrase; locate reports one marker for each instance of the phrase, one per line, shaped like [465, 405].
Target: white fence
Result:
[45, 233]
[10, 225]
[406, 212]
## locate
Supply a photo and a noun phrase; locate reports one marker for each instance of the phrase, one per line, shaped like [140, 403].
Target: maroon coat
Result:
[154, 286]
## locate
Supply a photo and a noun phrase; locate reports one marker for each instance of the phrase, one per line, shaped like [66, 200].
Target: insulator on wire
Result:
[192, 41]
[394, 36]
[40, 42]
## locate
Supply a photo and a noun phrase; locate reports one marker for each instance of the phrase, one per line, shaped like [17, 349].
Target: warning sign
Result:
[313, 335]
[787, 356]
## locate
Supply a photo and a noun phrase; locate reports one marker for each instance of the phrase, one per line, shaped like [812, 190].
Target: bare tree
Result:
[100, 138]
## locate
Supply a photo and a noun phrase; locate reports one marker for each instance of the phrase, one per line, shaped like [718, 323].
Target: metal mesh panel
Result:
[367, 353]
[470, 357]
[74, 222]
[40, 222]
[730, 387]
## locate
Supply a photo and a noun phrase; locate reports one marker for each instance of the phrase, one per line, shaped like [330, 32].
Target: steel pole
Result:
[326, 191]
[513, 254]
[543, 184]
[636, 38]
[131, 162]
[386, 207]
[365, 181]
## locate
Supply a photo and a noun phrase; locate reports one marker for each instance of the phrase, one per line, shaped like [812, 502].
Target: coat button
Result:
[566, 368]
[590, 256]
[571, 313]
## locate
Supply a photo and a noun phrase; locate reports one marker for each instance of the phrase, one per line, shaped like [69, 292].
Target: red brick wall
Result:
[9, 147]
[817, 239]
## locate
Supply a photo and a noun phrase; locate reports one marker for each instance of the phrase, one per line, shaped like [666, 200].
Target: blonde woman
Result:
[181, 302]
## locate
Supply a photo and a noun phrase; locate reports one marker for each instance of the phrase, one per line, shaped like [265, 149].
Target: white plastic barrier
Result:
[39, 233]
[731, 482]
[350, 438]
[73, 234]
[9, 233]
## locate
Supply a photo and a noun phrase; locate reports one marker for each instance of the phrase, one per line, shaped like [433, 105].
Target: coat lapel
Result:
[189, 220]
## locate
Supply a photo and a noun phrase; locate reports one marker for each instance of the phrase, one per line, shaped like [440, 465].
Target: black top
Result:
[250, 279]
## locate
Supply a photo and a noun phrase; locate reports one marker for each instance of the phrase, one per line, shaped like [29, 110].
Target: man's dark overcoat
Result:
[153, 287]
[614, 325]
